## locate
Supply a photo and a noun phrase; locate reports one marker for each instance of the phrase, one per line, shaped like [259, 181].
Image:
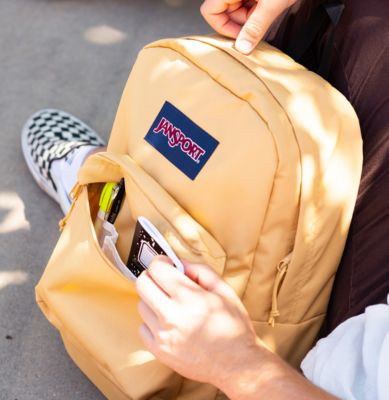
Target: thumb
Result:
[256, 26]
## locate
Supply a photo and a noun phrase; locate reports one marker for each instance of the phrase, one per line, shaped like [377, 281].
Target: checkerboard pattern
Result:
[52, 135]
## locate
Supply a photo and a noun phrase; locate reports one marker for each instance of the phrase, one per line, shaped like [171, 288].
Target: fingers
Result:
[169, 278]
[152, 294]
[148, 339]
[162, 282]
[259, 21]
[149, 317]
[207, 278]
[217, 15]
[248, 21]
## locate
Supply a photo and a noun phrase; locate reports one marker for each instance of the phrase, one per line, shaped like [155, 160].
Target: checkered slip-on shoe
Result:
[50, 135]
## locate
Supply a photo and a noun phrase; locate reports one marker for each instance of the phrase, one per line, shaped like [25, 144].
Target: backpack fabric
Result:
[249, 164]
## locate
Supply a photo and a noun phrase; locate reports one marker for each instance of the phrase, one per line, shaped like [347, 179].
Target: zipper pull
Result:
[281, 271]
[74, 193]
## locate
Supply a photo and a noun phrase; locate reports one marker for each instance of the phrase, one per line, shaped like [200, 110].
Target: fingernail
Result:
[244, 46]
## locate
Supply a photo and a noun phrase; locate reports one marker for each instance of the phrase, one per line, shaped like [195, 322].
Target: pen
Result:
[116, 202]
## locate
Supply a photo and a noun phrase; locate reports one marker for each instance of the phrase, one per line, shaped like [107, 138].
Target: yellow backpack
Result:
[249, 164]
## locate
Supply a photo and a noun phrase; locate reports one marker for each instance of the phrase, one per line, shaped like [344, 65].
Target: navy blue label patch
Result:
[181, 141]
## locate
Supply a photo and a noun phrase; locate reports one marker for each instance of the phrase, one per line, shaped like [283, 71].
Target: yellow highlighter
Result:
[105, 204]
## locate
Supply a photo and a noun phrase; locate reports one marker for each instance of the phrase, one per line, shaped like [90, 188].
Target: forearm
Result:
[263, 375]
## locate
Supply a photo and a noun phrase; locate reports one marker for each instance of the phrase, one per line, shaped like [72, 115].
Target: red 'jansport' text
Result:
[177, 138]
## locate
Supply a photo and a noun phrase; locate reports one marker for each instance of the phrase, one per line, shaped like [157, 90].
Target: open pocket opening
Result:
[145, 197]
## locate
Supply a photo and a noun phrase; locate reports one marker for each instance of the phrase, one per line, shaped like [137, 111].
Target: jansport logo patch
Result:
[177, 138]
[180, 140]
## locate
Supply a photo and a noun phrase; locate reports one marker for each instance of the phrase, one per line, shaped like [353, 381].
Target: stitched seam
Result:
[276, 174]
[159, 45]
[190, 247]
[303, 321]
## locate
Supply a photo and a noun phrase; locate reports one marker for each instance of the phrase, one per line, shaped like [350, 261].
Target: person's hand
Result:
[247, 21]
[194, 323]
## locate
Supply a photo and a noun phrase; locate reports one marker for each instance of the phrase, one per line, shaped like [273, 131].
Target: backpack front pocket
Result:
[92, 304]
[145, 197]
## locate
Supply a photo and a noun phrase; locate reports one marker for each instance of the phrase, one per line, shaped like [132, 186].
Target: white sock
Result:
[64, 171]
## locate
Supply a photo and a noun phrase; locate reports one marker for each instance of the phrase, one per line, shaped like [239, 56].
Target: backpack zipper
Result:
[282, 268]
[74, 193]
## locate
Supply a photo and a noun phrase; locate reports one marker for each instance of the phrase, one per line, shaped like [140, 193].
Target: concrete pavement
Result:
[74, 55]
